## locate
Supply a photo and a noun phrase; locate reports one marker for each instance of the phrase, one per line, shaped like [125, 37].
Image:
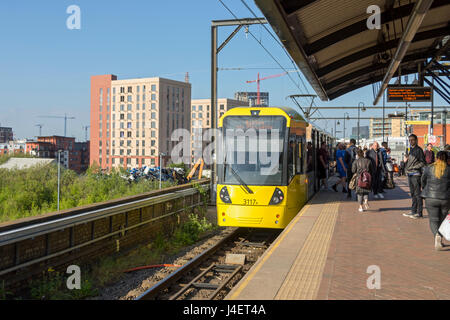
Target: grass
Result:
[33, 191]
[52, 285]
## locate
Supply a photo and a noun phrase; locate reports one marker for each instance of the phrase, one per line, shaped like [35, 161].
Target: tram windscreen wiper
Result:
[238, 178]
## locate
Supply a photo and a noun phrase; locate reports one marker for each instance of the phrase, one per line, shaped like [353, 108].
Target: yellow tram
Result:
[262, 167]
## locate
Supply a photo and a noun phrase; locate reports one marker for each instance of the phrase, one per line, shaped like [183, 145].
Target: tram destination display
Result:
[408, 94]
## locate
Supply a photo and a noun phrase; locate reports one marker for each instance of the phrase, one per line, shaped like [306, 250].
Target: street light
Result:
[160, 167]
[363, 109]
[59, 174]
[348, 118]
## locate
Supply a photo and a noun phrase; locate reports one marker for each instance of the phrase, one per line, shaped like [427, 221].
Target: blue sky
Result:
[46, 68]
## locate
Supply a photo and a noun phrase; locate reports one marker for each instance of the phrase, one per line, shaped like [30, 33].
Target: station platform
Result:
[331, 251]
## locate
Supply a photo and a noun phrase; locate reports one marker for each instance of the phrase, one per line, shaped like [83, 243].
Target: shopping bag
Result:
[444, 229]
[352, 184]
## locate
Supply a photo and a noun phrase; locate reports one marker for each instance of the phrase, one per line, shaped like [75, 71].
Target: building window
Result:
[122, 107]
[122, 134]
[130, 89]
[143, 97]
[137, 88]
[153, 134]
[122, 89]
[153, 125]
[122, 98]
[153, 115]
[129, 134]
[153, 96]
[129, 125]
[122, 116]
[200, 108]
[153, 106]
[153, 87]
[129, 116]
[153, 143]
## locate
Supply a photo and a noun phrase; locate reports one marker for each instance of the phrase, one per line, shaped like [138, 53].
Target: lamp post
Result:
[360, 107]
[59, 175]
[160, 167]
[348, 118]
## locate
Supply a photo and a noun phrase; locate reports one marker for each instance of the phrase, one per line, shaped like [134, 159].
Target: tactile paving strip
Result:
[303, 280]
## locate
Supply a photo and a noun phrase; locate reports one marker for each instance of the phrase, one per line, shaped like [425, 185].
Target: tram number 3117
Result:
[250, 202]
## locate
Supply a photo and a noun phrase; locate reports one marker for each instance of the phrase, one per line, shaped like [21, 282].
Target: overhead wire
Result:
[287, 54]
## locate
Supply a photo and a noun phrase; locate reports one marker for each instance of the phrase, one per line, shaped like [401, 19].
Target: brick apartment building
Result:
[74, 155]
[132, 120]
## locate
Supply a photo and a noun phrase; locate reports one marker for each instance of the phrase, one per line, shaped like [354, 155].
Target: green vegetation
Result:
[33, 191]
[52, 286]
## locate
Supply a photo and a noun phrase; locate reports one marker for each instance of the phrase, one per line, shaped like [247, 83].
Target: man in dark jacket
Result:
[350, 156]
[376, 157]
[414, 162]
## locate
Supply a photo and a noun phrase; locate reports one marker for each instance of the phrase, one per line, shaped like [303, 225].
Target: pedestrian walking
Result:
[375, 155]
[414, 162]
[350, 157]
[359, 166]
[341, 167]
[429, 154]
[389, 181]
[436, 191]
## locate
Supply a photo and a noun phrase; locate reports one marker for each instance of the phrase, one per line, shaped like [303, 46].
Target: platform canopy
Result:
[330, 42]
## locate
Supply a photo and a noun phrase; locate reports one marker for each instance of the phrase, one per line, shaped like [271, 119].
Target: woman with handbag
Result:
[361, 165]
[436, 191]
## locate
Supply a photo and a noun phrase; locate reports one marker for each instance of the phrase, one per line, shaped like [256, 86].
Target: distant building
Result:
[74, 155]
[6, 134]
[132, 120]
[13, 147]
[252, 98]
[363, 132]
[394, 126]
[201, 119]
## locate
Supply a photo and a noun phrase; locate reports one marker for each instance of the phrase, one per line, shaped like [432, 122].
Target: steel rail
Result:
[38, 229]
[175, 276]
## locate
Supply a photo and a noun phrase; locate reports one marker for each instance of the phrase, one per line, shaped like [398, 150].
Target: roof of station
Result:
[330, 42]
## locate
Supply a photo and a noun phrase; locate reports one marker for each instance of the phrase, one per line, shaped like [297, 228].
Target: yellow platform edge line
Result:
[304, 278]
[269, 252]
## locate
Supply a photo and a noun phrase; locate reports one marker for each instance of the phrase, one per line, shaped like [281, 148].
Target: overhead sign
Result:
[418, 122]
[397, 93]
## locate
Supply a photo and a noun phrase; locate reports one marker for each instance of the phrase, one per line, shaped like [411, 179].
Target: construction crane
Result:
[85, 128]
[258, 80]
[40, 129]
[60, 117]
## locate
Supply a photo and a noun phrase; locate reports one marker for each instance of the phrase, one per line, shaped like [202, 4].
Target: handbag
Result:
[353, 182]
[444, 229]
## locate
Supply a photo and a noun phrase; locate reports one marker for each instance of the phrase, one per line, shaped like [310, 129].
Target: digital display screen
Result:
[408, 94]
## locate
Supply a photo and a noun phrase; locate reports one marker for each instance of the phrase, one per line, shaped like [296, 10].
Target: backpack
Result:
[365, 180]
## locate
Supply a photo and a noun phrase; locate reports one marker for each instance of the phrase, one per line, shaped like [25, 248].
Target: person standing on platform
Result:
[323, 164]
[341, 167]
[436, 191]
[350, 157]
[360, 165]
[375, 155]
[414, 162]
[429, 154]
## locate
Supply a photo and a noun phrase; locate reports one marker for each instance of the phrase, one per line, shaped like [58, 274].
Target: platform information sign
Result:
[408, 94]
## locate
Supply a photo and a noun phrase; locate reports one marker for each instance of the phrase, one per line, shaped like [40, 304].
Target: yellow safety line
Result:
[304, 278]
[252, 272]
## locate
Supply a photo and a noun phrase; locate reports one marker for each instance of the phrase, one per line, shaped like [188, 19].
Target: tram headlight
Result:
[277, 197]
[224, 196]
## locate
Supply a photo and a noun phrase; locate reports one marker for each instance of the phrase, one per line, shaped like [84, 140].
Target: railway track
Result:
[213, 273]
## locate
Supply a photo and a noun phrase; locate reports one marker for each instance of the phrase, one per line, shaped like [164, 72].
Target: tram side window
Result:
[309, 157]
[300, 152]
[291, 158]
